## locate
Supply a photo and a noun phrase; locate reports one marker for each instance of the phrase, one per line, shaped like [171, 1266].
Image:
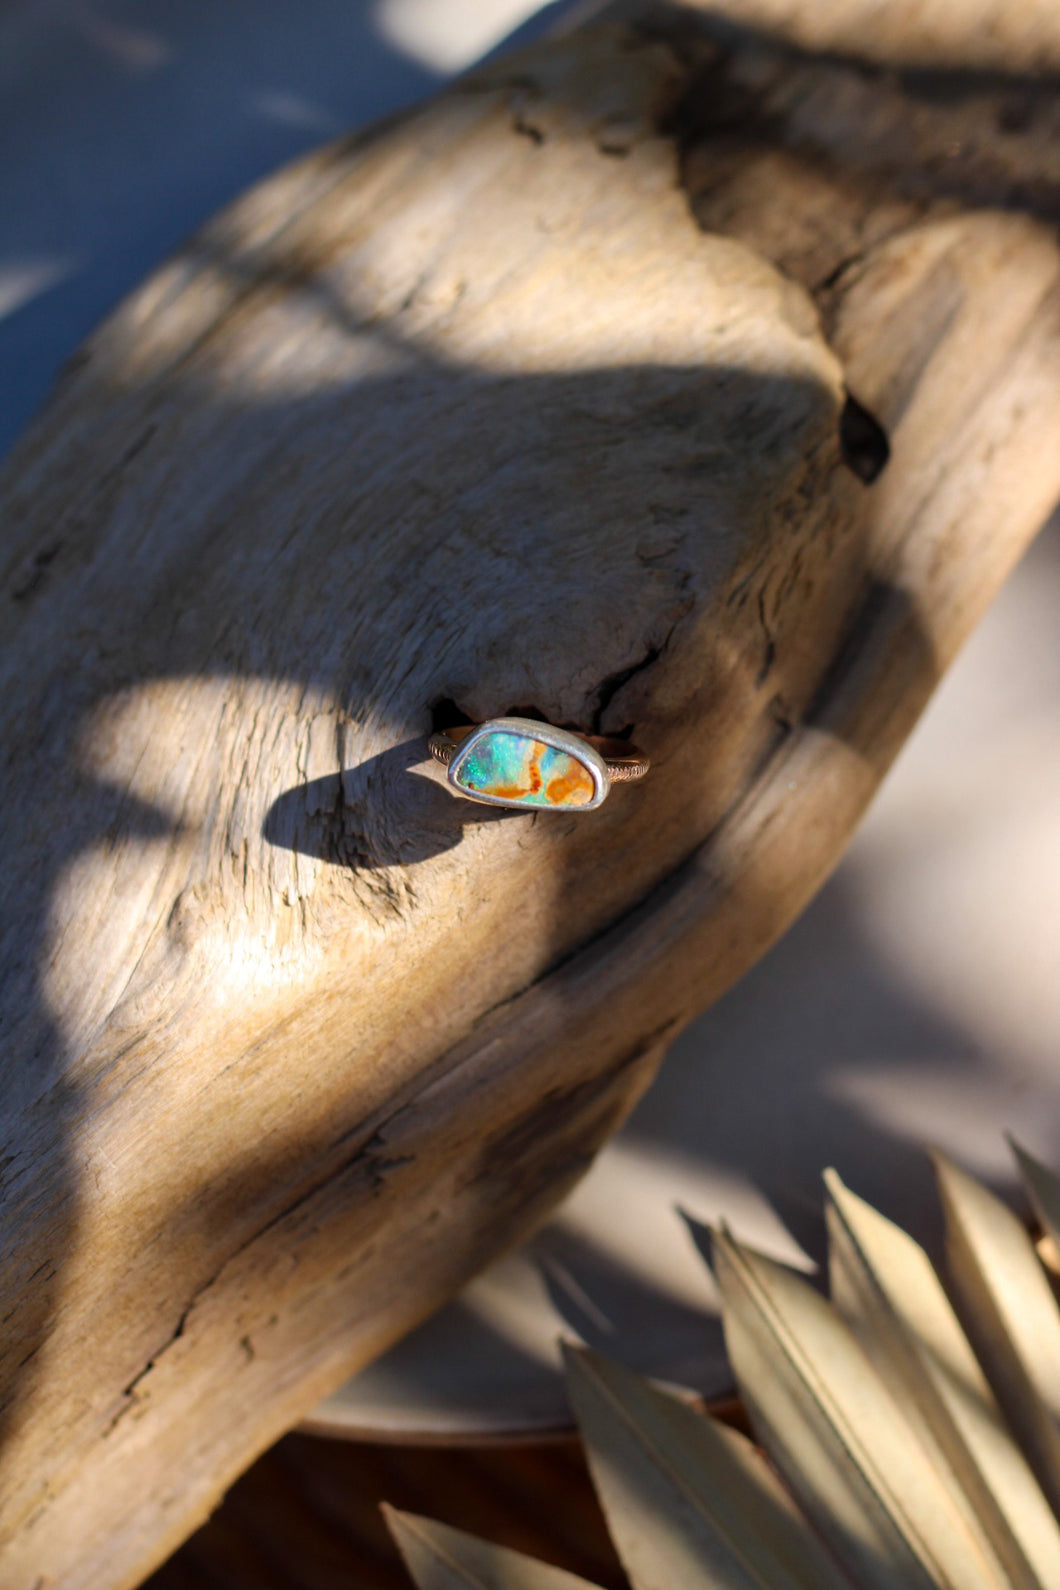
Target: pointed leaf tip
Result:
[1043, 1189]
[439, 1557]
[689, 1502]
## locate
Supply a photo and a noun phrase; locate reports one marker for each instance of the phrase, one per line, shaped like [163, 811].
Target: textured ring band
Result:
[520, 762]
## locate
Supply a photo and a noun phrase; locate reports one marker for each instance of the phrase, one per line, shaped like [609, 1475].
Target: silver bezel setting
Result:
[559, 739]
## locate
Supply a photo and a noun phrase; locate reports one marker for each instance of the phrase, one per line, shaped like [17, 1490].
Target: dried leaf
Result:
[837, 1436]
[1007, 1308]
[1044, 1189]
[1049, 1253]
[884, 1285]
[689, 1503]
[442, 1558]
[873, 1408]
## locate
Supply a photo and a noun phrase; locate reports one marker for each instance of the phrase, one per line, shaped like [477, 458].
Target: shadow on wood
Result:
[470, 409]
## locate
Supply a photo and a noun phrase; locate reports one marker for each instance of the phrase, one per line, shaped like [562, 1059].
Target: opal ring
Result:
[522, 763]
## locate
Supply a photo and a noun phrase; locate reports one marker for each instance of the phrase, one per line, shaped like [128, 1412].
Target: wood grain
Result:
[995, 38]
[532, 399]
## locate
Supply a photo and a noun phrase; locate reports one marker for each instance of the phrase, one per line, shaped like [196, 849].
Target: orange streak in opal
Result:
[570, 785]
[574, 788]
[515, 792]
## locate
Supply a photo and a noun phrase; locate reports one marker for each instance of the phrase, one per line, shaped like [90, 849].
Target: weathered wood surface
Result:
[534, 398]
[994, 37]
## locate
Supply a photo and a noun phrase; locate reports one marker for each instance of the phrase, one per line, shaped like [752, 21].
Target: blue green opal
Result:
[516, 767]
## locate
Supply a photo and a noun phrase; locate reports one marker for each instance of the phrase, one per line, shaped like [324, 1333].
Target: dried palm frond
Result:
[907, 1428]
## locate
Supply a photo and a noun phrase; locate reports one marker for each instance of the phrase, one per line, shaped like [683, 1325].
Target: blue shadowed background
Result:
[124, 124]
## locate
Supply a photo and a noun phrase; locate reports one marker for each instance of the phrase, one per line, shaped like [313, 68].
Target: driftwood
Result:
[536, 398]
[998, 38]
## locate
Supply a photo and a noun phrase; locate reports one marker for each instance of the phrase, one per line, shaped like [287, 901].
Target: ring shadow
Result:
[328, 818]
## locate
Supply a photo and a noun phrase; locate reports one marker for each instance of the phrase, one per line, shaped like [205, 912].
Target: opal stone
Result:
[513, 766]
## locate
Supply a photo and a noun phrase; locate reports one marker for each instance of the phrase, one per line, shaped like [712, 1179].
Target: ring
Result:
[520, 762]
